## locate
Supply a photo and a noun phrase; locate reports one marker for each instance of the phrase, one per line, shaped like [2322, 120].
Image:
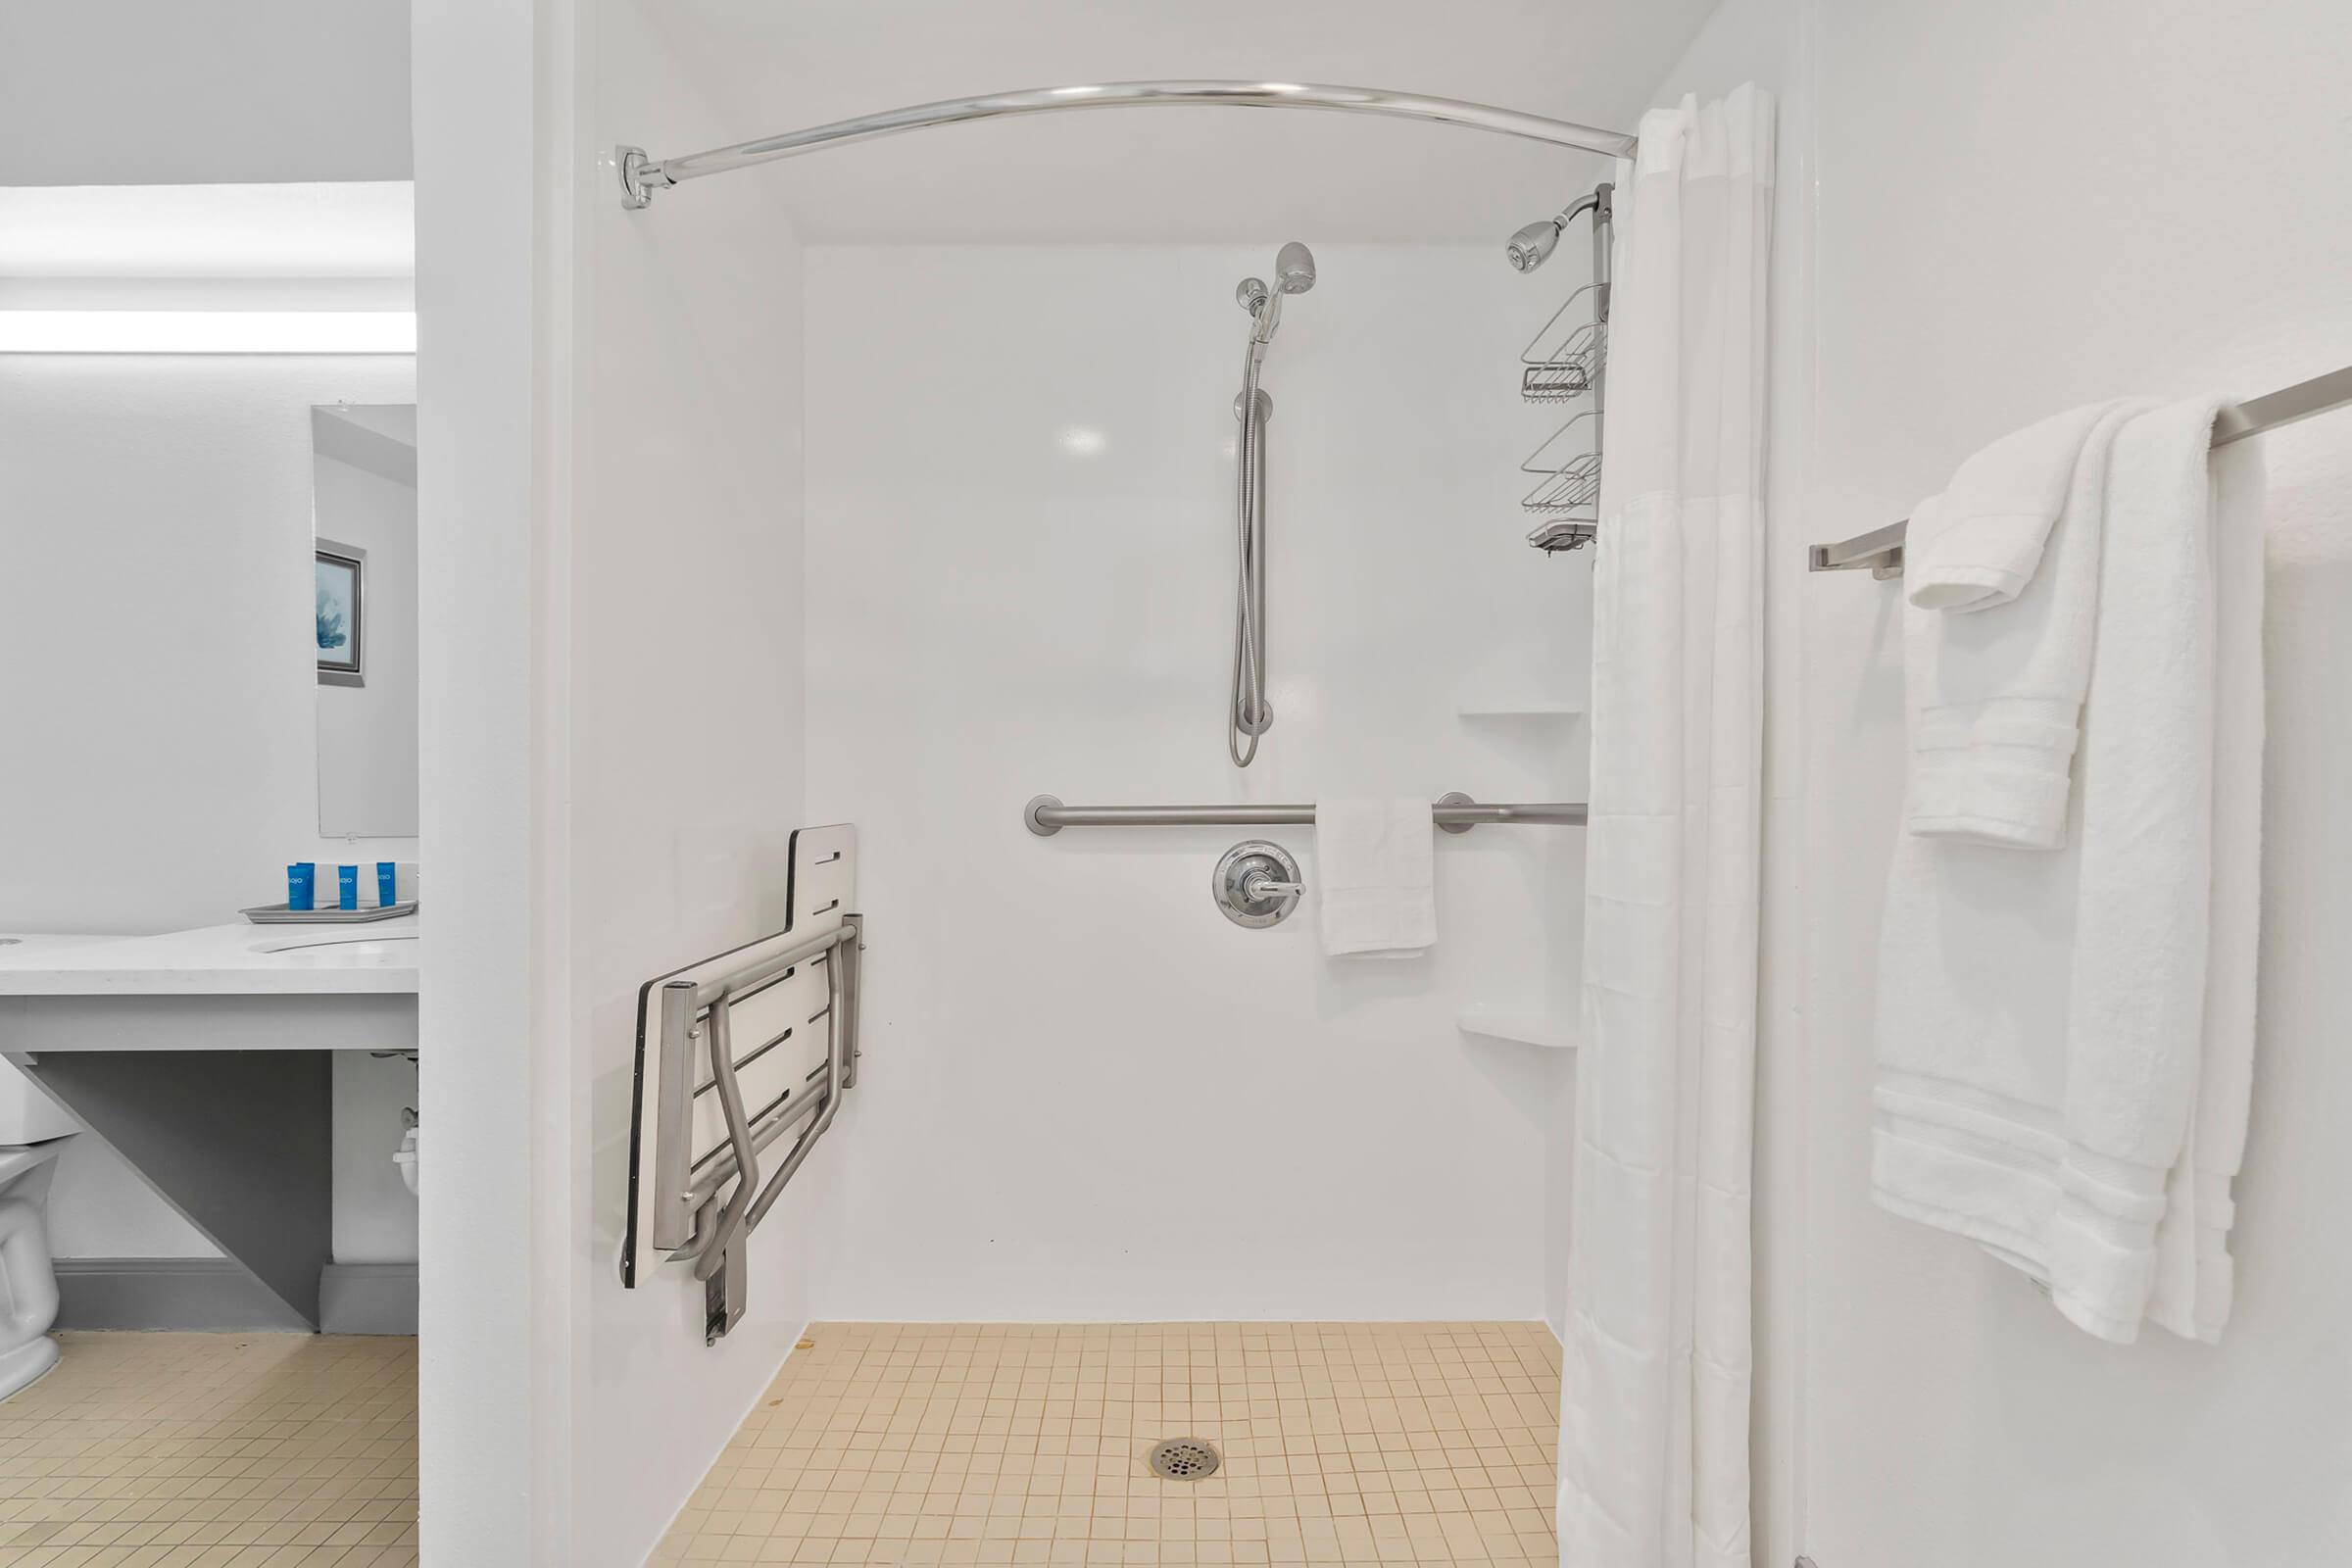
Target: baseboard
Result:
[368, 1299]
[215, 1295]
[191, 1294]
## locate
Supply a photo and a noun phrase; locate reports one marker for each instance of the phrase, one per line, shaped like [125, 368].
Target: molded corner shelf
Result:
[1521, 1028]
[1531, 707]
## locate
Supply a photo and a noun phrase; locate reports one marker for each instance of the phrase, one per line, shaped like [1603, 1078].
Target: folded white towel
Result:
[2042, 1018]
[2000, 705]
[2136, 1012]
[1374, 864]
[2195, 1275]
[1979, 543]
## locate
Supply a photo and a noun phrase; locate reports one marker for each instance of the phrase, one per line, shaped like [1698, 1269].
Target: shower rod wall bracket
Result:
[640, 177]
[636, 186]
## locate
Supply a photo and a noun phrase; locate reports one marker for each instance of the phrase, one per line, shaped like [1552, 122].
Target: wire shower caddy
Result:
[1566, 363]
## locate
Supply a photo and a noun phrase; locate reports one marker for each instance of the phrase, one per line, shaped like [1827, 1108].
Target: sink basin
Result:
[343, 947]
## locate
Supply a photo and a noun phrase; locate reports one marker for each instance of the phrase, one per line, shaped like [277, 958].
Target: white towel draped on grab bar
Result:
[1375, 876]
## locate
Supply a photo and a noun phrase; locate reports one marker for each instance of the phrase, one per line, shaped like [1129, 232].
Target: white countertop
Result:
[375, 957]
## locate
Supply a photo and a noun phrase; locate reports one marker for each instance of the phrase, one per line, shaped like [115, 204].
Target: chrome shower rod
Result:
[1046, 816]
[641, 176]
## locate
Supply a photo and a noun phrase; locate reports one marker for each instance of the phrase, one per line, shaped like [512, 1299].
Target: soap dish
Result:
[287, 914]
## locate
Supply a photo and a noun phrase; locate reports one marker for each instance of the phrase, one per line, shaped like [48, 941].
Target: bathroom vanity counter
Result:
[205, 1059]
[217, 961]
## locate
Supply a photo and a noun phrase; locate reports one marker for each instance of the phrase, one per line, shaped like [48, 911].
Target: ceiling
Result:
[1173, 174]
[156, 92]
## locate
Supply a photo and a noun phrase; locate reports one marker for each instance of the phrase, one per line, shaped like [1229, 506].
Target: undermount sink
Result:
[342, 948]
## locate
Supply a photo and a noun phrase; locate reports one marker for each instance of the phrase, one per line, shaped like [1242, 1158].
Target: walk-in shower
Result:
[1250, 714]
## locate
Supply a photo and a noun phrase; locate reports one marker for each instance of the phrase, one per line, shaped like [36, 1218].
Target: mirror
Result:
[364, 525]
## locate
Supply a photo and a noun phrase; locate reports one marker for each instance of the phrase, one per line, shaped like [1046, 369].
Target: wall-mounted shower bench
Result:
[733, 1052]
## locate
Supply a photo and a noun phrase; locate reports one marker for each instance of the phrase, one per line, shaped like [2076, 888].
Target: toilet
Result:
[33, 1132]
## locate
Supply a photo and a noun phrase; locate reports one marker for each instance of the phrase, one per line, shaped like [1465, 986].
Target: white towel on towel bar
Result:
[1980, 542]
[2046, 1025]
[1374, 870]
[2001, 675]
[2195, 1275]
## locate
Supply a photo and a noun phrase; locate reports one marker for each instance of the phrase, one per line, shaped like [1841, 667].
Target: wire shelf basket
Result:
[1568, 480]
[1563, 360]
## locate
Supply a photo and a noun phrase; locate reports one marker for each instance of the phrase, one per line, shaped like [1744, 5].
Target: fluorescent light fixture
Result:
[297, 230]
[208, 331]
[1082, 441]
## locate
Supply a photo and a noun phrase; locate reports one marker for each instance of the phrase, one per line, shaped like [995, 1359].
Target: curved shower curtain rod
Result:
[640, 177]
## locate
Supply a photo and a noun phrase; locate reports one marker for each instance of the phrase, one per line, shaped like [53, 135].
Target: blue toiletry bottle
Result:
[387, 883]
[346, 886]
[302, 884]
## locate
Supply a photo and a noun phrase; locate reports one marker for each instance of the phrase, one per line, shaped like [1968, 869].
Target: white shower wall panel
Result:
[1087, 1095]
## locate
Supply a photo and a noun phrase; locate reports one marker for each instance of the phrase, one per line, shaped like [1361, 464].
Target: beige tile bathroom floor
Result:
[178, 1449]
[1351, 1444]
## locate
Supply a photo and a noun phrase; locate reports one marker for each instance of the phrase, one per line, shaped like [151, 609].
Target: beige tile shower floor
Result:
[179, 1449]
[1372, 1443]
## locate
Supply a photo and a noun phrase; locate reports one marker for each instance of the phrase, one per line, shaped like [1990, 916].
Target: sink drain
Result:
[1184, 1460]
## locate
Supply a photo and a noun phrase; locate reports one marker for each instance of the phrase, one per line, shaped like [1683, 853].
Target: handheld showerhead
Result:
[1295, 269]
[1532, 246]
[1294, 273]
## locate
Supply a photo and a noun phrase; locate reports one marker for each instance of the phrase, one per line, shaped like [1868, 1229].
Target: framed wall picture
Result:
[341, 594]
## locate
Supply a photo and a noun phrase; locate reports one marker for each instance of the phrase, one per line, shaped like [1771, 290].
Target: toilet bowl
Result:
[27, 1277]
[33, 1131]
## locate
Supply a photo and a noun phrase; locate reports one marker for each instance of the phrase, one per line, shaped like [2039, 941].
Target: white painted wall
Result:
[610, 502]
[155, 591]
[116, 92]
[1086, 1094]
[683, 688]
[2022, 206]
[497, 1346]
[2025, 206]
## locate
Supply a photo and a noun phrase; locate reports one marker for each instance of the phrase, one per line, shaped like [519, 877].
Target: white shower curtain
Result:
[1653, 1407]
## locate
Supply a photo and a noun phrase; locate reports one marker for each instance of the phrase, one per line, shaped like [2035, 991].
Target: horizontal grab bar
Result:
[1046, 816]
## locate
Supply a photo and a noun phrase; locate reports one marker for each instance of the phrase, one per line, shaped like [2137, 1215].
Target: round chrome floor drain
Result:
[1184, 1460]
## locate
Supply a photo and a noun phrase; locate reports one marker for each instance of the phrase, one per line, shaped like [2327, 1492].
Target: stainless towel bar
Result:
[1046, 816]
[1879, 552]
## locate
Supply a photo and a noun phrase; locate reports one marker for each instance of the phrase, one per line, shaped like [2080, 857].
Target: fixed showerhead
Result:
[1533, 245]
[1295, 269]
